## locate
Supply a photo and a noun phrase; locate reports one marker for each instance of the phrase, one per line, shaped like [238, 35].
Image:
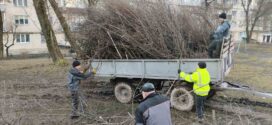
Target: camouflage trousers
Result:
[75, 102]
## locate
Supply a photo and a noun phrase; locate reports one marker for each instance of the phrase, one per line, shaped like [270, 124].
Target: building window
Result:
[243, 36]
[267, 38]
[21, 19]
[63, 3]
[234, 13]
[234, 2]
[20, 3]
[22, 38]
[42, 38]
[2, 1]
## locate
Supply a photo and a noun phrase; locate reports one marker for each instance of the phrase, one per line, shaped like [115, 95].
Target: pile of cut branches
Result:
[142, 30]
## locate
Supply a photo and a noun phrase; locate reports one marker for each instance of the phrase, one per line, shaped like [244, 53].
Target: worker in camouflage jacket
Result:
[221, 32]
[76, 74]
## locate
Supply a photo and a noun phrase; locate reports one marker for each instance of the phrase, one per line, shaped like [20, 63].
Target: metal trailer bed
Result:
[160, 69]
[165, 69]
[126, 74]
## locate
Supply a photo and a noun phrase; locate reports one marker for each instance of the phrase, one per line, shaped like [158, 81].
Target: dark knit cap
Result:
[223, 15]
[202, 65]
[76, 63]
[148, 87]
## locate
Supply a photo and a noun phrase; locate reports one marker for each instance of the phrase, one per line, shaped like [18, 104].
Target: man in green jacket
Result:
[201, 87]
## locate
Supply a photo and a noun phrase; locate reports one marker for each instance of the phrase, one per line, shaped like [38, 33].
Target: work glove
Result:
[182, 74]
[179, 71]
[94, 71]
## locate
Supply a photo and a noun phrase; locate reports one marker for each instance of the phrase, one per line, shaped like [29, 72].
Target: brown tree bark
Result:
[66, 28]
[246, 7]
[47, 31]
[1, 37]
[92, 2]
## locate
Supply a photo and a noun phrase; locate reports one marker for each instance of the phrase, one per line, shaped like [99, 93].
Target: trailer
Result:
[128, 75]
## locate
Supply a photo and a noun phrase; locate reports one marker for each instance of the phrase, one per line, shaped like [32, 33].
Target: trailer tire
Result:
[181, 99]
[123, 92]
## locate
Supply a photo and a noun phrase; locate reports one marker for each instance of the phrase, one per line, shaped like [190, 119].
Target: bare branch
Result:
[146, 30]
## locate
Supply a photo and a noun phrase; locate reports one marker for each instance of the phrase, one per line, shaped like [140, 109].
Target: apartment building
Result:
[21, 25]
[261, 32]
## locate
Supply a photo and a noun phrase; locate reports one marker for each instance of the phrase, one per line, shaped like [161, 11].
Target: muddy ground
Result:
[34, 92]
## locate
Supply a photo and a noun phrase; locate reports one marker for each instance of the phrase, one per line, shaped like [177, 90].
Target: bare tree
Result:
[47, 31]
[92, 2]
[1, 36]
[66, 28]
[253, 14]
[207, 3]
[12, 30]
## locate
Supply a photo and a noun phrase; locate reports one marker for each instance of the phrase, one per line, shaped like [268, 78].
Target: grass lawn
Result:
[253, 67]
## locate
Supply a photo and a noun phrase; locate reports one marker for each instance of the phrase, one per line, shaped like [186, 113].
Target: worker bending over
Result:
[154, 109]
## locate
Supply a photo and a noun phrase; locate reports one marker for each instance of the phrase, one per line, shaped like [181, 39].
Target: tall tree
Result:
[47, 31]
[254, 13]
[66, 28]
[1, 36]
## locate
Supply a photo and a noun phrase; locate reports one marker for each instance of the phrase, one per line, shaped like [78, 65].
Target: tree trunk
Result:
[13, 32]
[47, 31]
[66, 28]
[248, 36]
[1, 37]
[7, 52]
[246, 8]
[92, 2]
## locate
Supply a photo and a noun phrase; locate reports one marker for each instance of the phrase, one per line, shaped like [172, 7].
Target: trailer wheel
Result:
[181, 99]
[123, 92]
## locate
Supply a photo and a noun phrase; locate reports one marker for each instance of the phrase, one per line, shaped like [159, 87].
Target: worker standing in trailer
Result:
[218, 35]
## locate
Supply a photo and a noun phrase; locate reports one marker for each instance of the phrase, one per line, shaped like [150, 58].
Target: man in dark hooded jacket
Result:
[74, 76]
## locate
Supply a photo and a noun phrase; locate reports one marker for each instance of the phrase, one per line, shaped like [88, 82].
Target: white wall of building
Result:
[36, 44]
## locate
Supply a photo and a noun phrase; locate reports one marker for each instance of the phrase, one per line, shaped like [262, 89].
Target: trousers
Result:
[75, 101]
[200, 105]
[215, 45]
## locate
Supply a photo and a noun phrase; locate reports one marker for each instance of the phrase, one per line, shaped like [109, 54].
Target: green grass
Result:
[252, 67]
